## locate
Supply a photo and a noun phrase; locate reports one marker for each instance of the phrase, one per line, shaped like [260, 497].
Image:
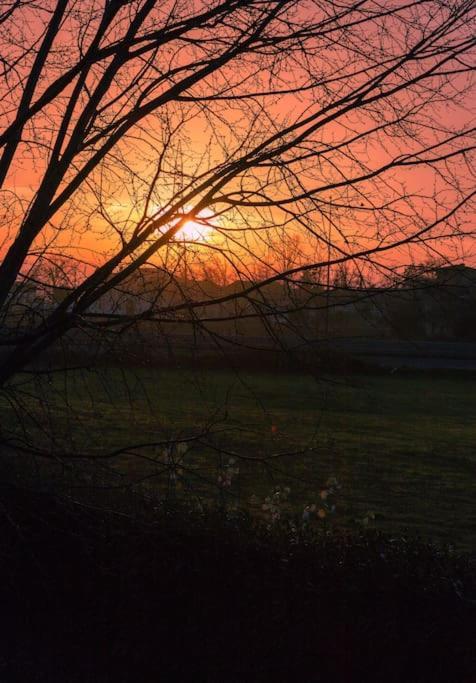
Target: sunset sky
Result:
[333, 169]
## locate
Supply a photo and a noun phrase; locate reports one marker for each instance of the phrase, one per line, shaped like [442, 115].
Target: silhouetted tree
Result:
[302, 136]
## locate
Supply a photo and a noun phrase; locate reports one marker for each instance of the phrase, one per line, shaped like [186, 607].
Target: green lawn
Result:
[402, 447]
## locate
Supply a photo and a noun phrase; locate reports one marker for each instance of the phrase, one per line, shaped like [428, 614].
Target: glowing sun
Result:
[197, 230]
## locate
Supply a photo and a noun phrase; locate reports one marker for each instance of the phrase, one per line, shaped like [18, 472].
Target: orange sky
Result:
[353, 223]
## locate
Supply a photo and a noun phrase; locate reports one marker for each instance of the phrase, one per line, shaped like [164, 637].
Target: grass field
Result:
[401, 447]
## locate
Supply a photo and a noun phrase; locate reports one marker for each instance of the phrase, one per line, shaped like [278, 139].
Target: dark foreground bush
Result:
[94, 598]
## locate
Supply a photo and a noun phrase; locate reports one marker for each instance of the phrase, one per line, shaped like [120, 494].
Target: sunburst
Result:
[197, 230]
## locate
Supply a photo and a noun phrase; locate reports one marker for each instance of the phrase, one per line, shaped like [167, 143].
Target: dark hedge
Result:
[93, 597]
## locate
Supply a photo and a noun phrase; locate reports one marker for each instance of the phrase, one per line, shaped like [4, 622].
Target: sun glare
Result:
[198, 230]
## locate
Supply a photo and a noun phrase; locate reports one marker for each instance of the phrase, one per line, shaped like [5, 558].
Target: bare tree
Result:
[274, 138]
